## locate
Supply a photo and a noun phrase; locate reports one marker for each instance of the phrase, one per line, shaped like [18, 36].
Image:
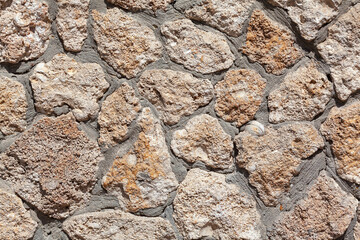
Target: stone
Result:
[203, 139]
[124, 43]
[270, 44]
[117, 113]
[143, 177]
[207, 206]
[357, 226]
[71, 23]
[239, 95]
[52, 165]
[13, 106]
[272, 160]
[140, 5]
[63, 81]
[116, 225]
[4, 3]
[342, 129]
[325, 213]
[196, 49]
[24, 30]
[302, 95]
[174, 94]
[341, 50]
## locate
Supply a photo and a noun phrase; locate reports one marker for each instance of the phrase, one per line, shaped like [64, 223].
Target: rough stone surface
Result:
[63, 81]
[174, 94]
[196, 49]
[341, 51]
[116, 225]
[203, 139]
[270, 44]
[222, 210]
[24, 30]
[239, 95]
[139, 5]
[52, 166]
[272, 159]
[357, 226]
[143, 177]
[325, 213]
[303, 95]
[124, 43]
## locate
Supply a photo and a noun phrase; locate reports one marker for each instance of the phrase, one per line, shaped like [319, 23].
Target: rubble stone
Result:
[139, 5]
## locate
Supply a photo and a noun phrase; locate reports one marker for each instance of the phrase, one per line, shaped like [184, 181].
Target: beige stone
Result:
[357, 226]
[139, 5]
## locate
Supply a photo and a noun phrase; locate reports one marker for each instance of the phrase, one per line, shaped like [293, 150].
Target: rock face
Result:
[143, 174]
[239, 95]
[207, 206]
[124, 43]
[272, 159]
[341, 51]
[52, 165]
[325, 213]
[303, 95]
[13, 106]
[342, 128]
[203, 139]
[24, 30]
[116, 225]
[139, 5]
[270, 44]
[173, 93]
[63, 81]
[196, 49]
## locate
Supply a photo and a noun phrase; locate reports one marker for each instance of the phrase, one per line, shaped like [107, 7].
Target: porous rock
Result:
[139, 5]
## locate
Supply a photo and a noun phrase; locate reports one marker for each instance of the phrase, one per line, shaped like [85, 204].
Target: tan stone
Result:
[139, 5]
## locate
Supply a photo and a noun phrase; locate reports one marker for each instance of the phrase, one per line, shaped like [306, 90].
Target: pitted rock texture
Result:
[196, 49]
[270, 44]
[124, 43]
[173, 93]
[63, 81]
[302, 95]
[143, 177]
[272, 160]
[207, 206]
[203, 139]
[139, 5]
[52, 165]
[325, 213]
[24, 30]
[239, 95]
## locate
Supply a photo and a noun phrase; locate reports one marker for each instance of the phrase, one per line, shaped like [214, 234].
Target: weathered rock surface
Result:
[325, 213]
[357, 226]
[341, 51]
[52, 165]
[272, 159]
[124, 43]
[144, 174]
[303, 95]
[63, 81]
[24, 30]
[196, 49]
[270, 44]
[207, 206]
[173, 93]
[239, 95]
[139, 5]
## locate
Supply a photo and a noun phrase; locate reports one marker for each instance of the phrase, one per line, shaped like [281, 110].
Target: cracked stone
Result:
[140, 5]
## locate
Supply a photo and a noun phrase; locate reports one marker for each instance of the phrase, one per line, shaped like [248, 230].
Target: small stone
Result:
[117, 225]
[196, 49]
[341, 51]
[203, 139]
[272, 160]
[325, 213]
[140, 5]
[342, 129]
[24, 30]
[207, 206]
[174, 94]
[270, 44]
[63, 81]
[124, 43]
[239, 95]
[302, 96]
[144, 173]
[13, 106]
[255, 128]
[52, 165]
